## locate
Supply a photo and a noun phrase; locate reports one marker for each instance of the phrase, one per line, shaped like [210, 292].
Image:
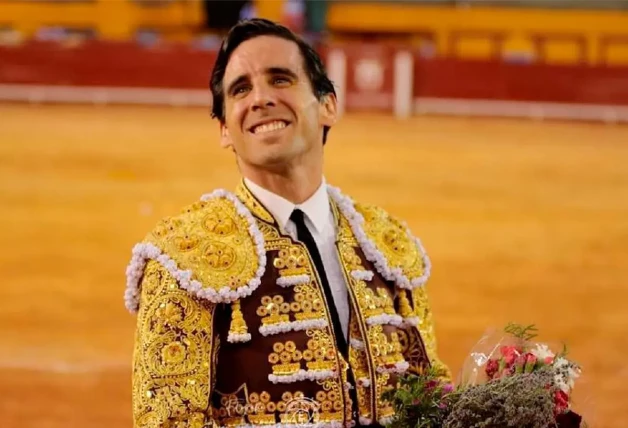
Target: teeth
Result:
[267, 127]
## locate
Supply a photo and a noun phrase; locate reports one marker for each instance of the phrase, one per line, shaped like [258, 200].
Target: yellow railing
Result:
[111, 19]
[518, 26]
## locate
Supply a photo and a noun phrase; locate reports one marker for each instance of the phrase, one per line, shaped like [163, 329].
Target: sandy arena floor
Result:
[524, 221]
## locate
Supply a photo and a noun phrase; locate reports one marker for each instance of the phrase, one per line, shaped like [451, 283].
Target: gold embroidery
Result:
[393, 239]
[320, 354]
[238, 325]
[405, 309]
[292, 262]
[386, 350]
[243, 193]
[308, 303]
[172, 367]
[426, 328]
[384, 408]
[285, 359]
[357, 357]
[361, 362]
[211, 240]
[273, 310]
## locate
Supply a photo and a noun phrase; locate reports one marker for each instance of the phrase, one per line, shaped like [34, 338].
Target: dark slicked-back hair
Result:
[249, 29]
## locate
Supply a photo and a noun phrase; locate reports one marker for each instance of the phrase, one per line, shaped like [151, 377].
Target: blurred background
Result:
[496, 129]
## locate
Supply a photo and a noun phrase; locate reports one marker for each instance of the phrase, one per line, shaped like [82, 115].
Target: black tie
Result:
[304, 235]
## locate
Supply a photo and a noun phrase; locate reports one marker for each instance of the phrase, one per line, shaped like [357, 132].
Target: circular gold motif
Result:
[266, 300]
[299, 297]
[291, 346]
[298, 395]
[296, 356]
[395, 241]
[306, 306]
[186, 242]
[317, 305]
[264, 397]
[285, 357]
[327, 406]
[219, 225]
[295, 307]
[219, 256]
[319, 354]
[273, 309]
[308, 355]
[253, 397]
[321, 396]
[286, 396]
[312, 344]
[278, 300]
[173, 353]
[273, 358]
[271, 407]
[281, 406]
[261, 311]
[337, 405]
[285, 308]
[278, 347]
[332, 396]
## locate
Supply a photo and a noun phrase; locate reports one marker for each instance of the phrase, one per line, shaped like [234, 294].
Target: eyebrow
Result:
[273, 71]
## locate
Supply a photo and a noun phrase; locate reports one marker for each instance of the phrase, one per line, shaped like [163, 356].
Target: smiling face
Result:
[273, 120]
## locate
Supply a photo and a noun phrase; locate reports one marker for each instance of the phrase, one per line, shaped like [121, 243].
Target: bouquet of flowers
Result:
[507, 381]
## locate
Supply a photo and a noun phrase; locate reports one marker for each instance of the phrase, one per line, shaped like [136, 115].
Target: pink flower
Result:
[530, 362]
[509, 354]
[561, 400]
[431, 384]
[520, 363]
[447, 388]
[492, 366]
[549, 360]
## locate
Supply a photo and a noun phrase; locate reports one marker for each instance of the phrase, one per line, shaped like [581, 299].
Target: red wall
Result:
[180, 66]
[107, 64]
[533, 82]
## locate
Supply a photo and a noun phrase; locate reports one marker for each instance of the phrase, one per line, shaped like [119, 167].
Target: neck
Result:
[296, 185]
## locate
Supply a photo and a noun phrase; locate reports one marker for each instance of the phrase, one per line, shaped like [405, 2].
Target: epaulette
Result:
[213, 249]
[386, 242]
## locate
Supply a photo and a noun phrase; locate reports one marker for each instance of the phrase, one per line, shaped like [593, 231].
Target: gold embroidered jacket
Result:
[233, 327]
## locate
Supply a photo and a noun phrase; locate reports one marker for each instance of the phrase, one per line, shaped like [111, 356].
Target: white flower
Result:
[561, 362]
[560, 383]
[541, 352]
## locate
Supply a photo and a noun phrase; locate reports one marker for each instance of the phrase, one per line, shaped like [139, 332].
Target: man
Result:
[284, 302]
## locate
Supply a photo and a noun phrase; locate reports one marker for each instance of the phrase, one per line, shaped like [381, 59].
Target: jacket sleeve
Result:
[426, 328]
[174, 358]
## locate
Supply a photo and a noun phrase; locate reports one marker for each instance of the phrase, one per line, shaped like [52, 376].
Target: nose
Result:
[262, 98]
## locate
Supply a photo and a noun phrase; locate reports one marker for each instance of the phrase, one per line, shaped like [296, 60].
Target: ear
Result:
[225, 138]
[328, 112]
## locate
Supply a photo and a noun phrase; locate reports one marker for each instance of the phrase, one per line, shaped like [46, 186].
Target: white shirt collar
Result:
[316, 208]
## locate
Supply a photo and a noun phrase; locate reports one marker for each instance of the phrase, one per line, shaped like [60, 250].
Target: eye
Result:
[280, 80]
[239, 90]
